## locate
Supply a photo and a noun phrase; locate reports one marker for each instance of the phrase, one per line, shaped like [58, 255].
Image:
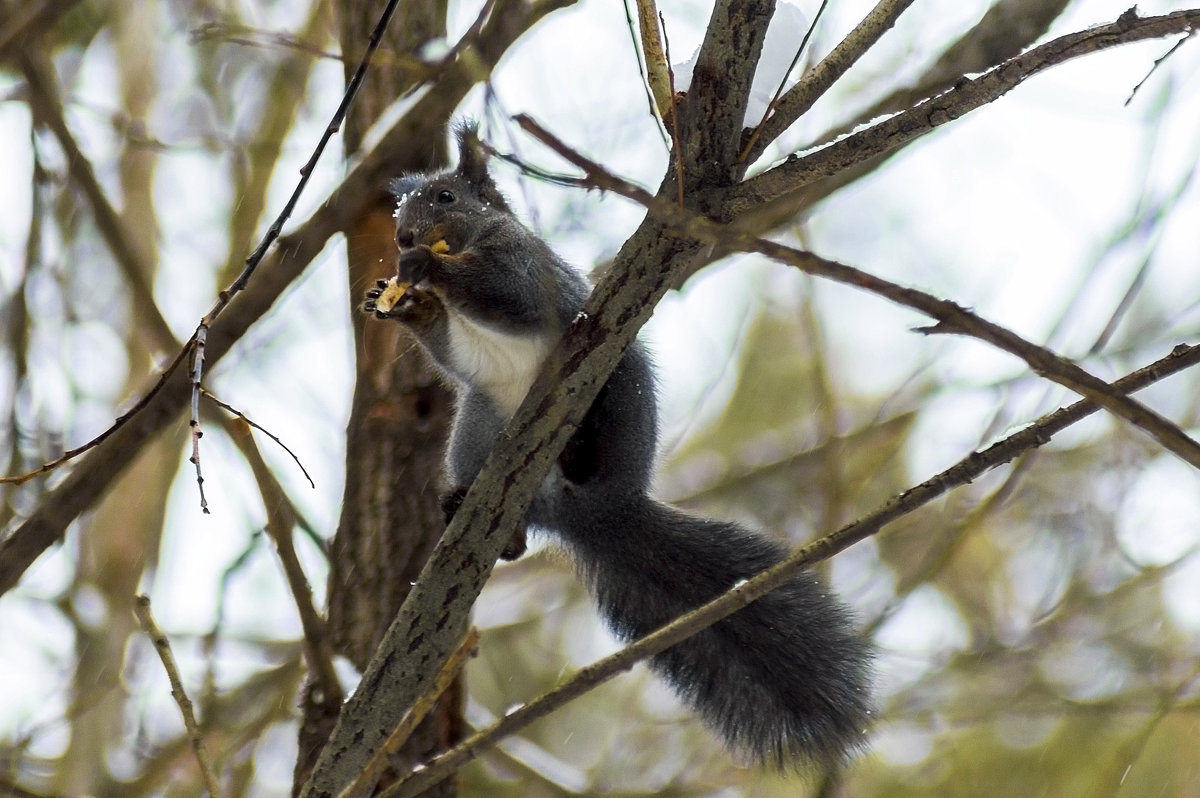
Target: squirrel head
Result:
[449, 206]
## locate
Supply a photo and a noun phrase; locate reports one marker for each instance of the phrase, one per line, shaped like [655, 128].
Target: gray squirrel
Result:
[785, 678]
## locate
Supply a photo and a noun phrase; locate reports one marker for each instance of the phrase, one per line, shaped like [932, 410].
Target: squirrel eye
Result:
[445, 197]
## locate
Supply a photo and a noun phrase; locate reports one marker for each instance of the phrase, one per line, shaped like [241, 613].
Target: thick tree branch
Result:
[754, 196]
[962, 473]
[817, 80]
[712, 114]
[401, 146]
[951, 317]
[421, 638]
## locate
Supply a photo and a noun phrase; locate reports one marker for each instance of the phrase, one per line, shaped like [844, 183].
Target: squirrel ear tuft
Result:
[473, 163]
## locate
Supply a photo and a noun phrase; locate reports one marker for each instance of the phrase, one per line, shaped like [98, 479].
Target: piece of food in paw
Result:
[390, 295]
[439, 247]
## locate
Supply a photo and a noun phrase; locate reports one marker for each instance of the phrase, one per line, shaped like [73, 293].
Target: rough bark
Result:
[390, 517]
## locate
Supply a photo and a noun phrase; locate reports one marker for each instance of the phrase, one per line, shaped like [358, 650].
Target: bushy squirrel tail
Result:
[784, 679]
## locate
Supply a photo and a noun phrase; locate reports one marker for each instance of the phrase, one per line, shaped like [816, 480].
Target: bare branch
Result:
[964, 472]
[281, 524]
[951, 317]
[656, 60]
[1157, 63]
[249, 36]
[367, 778]
[712, 114]
[1005, 30]
[196, 372]
[754, 196]
[773, 104]
[306, 171]
[816, 81]
[210, 397]
[141, 608]
[134, 265]
[400, 146]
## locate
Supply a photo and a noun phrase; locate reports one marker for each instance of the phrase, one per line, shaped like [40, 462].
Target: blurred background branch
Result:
[1037, 627]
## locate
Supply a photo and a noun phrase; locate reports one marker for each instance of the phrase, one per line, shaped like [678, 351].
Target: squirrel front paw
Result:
[393, 299]
[416, 264]
[384, 297]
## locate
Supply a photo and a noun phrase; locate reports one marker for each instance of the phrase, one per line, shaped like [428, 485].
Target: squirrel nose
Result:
[405, 237]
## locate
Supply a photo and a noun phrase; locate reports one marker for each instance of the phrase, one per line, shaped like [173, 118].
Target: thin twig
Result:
[818, 80]
[964, 472]
[224, 298]
[770, 109]
[141, 608]
[208, 395]
[247, 36]
[120, 421]
[1157, 63]
[951, 318]
[335, 124]
[674, 120]
[197, 433]
[281, 525]
[367, 778]
[657, 60]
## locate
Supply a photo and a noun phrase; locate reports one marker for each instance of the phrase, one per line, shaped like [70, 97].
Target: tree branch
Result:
[951, 317]
[754, 196]
[141, 608]
[421, 637]
[712, 114]
[401, 146]
[132, 261]
[1005, 30]
[964, 472]
[816, 81]
[281, 526]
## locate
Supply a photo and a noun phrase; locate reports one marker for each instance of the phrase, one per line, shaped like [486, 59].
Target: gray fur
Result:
[786, 678]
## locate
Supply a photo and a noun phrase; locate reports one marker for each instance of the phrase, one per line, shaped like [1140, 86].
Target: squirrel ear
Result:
[472, 163]
[401, 187]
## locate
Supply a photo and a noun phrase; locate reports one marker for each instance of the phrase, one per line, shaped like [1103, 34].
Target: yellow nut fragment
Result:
[439, 247]
[391, 295]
